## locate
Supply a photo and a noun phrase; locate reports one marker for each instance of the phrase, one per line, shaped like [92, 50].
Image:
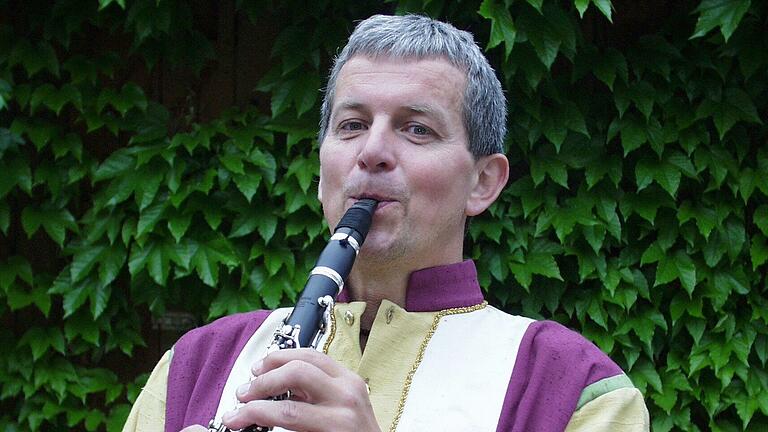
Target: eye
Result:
[419, 130]
[352, 126]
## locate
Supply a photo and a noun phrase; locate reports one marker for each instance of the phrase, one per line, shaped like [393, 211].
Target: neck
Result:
[372, 284]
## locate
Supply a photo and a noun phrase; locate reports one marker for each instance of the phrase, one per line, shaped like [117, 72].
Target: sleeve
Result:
[148, 412]
[610, 405]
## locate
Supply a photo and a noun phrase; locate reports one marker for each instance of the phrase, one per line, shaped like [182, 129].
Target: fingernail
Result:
[228, 415]
[243, 389]
[256, 368]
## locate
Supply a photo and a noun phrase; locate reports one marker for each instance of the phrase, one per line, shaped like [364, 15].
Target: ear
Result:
[492, 173]
[320, 187]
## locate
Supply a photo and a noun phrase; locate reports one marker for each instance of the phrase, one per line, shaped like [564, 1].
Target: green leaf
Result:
[725, 14]
[535, 263]
[112, 264]
[758, 251]
[272, 292]
[666, 271]
[668, 177]
[104, 3]
[632, 135]
[645, 170]
[131, 96]
[69, 144]
[502, 25]
[208, 257]
[760, 218]
[595, 235]
[82, 324]
[138, 258]
[280, 258]
[35, 58]
[746, 184]
[178, 225]
[304, 170]
[545, 42]
[150, 217]
[581, 6]
[652, 254]
[68, 93]
[158, 265]
[686, 270]
[496, 267]
[84, 260]
[605, 8]
[734, 237]
[117, 417]
[607, 65]
[93, 419]
[40, 95]
[641, 94]
[681, 267]
[233, 162]
[5, 216]
[99, 298]
[734, 105]
[267, 226]
[248, 184]
[118, 163]
[648, 374]
[37, 340]
[56, 223]
[696, 329]
[229, 302]
[146, 190]
[305, 93]
[536, 4]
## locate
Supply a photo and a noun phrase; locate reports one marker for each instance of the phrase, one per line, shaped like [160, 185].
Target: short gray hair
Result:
[418, 37]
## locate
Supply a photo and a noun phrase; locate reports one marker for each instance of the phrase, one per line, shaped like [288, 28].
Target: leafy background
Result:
[158, 162]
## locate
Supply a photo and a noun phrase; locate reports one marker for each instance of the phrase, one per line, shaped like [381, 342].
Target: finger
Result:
[306, 381]
[289, 414]
[194, 428]
[309, 355]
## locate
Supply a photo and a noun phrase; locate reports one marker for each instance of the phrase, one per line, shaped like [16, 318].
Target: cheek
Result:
[444, 180]
[330, 174]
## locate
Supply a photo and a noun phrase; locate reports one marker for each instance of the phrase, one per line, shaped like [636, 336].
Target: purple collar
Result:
[442, 287]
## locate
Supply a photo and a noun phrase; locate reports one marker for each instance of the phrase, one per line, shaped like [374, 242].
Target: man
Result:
[414, 117]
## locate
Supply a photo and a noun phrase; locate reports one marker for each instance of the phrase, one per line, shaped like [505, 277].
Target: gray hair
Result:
[418, 37]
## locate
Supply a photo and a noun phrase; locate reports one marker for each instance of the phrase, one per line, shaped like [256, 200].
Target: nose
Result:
[378, 152]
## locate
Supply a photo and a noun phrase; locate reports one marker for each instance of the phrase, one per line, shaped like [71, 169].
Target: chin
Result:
[381, 247]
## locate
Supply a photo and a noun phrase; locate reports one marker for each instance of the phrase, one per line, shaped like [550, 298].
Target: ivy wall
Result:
[158, 157]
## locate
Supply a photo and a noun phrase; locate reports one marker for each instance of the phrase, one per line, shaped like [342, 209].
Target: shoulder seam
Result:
[603, 386]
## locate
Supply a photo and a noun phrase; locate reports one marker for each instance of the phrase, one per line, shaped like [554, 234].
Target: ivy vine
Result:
[638, 211]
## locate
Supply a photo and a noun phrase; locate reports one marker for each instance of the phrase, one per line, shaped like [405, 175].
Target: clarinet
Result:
[311, 317]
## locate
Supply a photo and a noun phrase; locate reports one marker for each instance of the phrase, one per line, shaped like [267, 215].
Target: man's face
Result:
[396, 134]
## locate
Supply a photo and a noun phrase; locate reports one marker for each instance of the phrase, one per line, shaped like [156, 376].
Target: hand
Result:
[325, 396]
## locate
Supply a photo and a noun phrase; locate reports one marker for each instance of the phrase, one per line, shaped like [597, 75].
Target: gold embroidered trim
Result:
[331, 331]
[420, 355]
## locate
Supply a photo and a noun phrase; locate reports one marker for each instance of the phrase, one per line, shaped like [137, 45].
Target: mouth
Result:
[383, 201]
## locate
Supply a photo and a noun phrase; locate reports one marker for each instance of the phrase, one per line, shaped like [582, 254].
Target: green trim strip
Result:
[605, 385]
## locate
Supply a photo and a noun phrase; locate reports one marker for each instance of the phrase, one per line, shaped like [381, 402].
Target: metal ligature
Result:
[311, 317]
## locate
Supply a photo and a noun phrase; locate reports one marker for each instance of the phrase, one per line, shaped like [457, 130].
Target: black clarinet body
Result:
[310, 317]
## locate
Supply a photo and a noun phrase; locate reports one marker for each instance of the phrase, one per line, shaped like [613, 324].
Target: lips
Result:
[382, 199]
[373, 196]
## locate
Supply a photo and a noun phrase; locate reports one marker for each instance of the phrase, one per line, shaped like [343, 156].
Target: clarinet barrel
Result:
[331, 270]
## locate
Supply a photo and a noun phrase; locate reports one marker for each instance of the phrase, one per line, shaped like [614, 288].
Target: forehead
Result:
[404, 81]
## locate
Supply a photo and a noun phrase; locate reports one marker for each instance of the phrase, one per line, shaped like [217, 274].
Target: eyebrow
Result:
[430, 111]
[425, 109]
